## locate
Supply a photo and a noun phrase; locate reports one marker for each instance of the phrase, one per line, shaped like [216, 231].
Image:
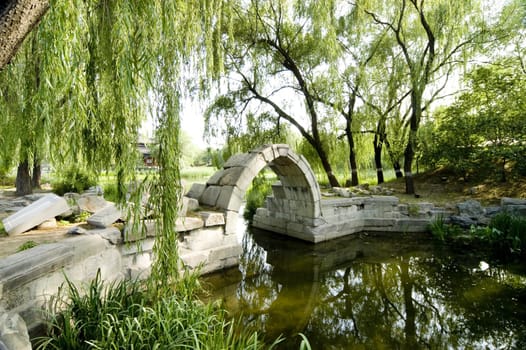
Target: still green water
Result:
[375, 292]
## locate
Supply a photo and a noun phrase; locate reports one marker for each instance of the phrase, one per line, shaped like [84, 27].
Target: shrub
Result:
[74, 180]
[27, 245]
[255, 196]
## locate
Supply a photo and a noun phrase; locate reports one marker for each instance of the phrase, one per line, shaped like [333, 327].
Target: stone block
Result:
[91, 203]
[504, 201]
[204, 239]
[13, 332]
[196, 191]
[48, 224]
[225, 252]
[230, 198]
[34, 214]
[105, 217]
[193, 204]
[214, 179]
[111, 234]
[185, 224]
[193, 259]
[239, 160]
[212, 218]
[210, 196]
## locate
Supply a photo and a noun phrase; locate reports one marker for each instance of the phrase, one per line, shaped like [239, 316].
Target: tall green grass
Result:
[127, 315]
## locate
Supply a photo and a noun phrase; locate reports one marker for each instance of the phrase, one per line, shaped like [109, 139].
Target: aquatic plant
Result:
[126, 315]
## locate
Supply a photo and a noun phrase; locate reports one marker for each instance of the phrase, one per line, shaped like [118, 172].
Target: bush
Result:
[255, 196]
[74, 180]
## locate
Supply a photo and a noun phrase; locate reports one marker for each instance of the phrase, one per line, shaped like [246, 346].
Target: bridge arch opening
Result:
[296, 197]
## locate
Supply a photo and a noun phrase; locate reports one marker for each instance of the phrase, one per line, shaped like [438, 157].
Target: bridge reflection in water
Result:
[392, 292]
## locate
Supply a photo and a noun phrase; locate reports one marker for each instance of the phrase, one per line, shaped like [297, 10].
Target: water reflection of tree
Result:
[406, 302]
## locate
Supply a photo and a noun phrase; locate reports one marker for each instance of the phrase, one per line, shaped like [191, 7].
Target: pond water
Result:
[390, 291]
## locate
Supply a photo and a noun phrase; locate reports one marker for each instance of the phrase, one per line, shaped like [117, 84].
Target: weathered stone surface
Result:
[48, 224]
[504, 201]
[462, 221]
[13, 332]
[193, 204]
[91, 203]
[470, 208]
[230, 198]
[210, 195]
[112, 234]
[77, 230]
[196, 190]
[212, 218]
[105, 217]
[188, 223]
[203, 239]
[34, 214]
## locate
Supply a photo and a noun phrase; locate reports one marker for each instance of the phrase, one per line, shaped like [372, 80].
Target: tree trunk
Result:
[17, 19]
[37, 174]
[396, 164]
[352, 153]
[408, 164]
[23, 179]
[326, 165]
[377, 144]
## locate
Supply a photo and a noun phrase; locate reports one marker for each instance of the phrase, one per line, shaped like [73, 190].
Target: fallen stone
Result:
[342, 192]
[13, 332]
[105, 216]
[91, 203]
[112, 234]
[504, 201]
[470, 208]
[188, 224]
[48, 224]
[193, 204]
[212, 218]
[462, 221]
[77, 230]
[34, 214]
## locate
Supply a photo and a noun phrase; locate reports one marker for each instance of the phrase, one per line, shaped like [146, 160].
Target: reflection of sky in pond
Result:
[390, 292]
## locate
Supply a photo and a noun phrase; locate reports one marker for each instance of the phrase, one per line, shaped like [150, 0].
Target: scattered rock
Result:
[105, 217]
[470, 208]
[13, 332]
[34, 214]
[91, 203]
[342, 192]
[462, 221]
[77, 230]
[48, 224]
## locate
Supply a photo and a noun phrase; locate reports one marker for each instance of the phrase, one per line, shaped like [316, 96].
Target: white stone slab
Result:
[105, 216]
[34, 214]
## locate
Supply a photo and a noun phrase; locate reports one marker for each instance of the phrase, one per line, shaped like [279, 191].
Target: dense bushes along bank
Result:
[505, 234]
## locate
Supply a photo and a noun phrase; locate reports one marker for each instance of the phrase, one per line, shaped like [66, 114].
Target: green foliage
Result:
[256, 194]
[441, 230]
[505, 231]
[482, 132]
[74, 180]
[111, 192]
[27, 245]
[126, 315]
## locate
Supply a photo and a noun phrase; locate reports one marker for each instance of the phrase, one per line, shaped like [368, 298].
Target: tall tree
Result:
[432, 36]
[276, 56]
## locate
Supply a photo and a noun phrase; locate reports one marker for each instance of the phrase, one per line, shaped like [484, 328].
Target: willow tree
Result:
[119, 60]
[279, 49]
[432, 36]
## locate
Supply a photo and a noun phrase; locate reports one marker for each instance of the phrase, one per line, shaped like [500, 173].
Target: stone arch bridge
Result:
[296, 196]
[296, 207]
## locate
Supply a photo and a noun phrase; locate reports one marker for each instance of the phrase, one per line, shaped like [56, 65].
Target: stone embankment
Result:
[30, 278]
